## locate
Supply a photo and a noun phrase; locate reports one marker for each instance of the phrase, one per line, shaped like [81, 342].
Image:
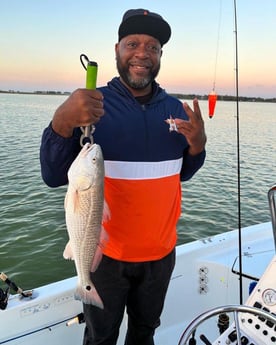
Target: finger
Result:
[95, 94]
[197, 110]
[183, 126]
[189, 112]
[98, 112]
[95, 107]
[187, 109]
[193, 114]
[96, 104]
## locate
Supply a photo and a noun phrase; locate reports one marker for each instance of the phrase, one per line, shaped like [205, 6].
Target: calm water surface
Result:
[32, 225]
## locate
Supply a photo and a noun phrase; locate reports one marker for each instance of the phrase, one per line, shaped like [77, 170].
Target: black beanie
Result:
[142, 21]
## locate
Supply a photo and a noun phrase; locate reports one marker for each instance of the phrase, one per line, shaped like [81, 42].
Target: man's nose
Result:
[142, 51]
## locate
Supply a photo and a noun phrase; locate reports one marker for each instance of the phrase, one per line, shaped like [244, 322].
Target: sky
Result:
[41, 42]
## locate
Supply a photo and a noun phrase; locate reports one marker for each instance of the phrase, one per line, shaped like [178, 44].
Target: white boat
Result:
[206, 279]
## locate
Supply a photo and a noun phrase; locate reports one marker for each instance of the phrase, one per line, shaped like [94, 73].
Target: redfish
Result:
[84, 212]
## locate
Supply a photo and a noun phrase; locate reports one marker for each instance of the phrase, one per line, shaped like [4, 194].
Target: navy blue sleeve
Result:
[191, 164]
[56, 156]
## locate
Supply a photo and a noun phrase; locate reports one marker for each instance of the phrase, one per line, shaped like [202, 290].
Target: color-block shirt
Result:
[144, 165]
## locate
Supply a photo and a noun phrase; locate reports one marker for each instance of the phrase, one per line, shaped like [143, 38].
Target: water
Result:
[32, 225]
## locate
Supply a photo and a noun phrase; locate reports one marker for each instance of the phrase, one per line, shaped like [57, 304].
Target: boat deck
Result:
[205, 276]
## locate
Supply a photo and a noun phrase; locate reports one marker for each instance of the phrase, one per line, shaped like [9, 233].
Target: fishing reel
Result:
[4, 294]
[4, 297]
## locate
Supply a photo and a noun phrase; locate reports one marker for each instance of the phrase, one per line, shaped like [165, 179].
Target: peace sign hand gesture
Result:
[193, 129]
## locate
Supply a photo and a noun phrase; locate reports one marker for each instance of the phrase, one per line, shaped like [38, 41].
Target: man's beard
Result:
[137, 83]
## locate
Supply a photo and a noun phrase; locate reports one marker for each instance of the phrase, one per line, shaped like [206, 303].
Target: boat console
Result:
[254, 323]
[256, 329]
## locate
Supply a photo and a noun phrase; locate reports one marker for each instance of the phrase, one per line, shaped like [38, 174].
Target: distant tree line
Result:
[37, 92]
[224, 98]
[177, 95]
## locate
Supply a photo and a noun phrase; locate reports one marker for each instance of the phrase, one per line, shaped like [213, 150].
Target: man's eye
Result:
[153, 48]
[132, 45]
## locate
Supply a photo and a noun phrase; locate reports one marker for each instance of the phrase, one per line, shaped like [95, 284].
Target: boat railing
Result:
[272, 206]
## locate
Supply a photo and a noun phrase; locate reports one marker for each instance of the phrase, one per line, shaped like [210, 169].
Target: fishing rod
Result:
[238, 149]
[212, 98]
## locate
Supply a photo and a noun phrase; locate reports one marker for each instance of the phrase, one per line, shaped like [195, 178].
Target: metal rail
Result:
[272, 206]
[224, 309]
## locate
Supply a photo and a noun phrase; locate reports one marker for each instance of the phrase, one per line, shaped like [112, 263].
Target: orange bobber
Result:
[212, 99]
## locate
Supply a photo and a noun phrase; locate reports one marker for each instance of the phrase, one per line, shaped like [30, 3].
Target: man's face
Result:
[138, 60]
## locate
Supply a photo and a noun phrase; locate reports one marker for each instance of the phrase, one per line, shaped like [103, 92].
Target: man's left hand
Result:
[193, 129]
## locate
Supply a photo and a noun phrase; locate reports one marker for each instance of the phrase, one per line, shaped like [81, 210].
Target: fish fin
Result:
[99, 251]
[106, 212]
[97, 258]
[68, 252]
[75, 199]
[89, 295]
[103, 238]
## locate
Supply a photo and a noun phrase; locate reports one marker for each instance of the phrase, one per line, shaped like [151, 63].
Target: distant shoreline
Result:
[177, 95]
[55, 93]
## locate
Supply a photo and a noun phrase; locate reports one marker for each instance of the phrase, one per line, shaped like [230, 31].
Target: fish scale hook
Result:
[84, 57]
[91, 76]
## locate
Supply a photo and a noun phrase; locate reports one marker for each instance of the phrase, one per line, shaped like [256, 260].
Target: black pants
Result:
[141, 287]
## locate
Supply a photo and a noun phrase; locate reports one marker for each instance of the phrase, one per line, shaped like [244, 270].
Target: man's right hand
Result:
[82, 108]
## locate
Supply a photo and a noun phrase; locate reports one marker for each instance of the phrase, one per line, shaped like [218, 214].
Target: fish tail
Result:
[89, 295]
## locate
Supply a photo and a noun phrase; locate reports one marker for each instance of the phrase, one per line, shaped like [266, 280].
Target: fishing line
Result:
[212, 97]
[217, 49]
[238, 148]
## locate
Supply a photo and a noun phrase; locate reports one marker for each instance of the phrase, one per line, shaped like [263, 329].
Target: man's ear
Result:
[116, 49]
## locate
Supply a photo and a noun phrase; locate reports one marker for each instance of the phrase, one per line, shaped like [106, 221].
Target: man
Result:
[144, 164]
